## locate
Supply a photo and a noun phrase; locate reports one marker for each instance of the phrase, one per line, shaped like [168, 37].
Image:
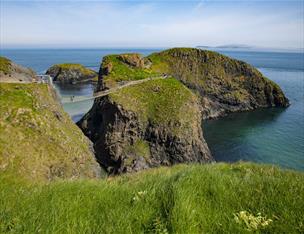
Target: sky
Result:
[154, 23]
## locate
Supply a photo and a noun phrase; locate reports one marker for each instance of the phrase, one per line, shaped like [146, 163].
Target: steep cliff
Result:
[38, 140]
[146, 125]
[224, 84]
[71, 73]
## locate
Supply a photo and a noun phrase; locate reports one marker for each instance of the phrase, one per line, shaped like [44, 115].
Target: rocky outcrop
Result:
[163, 129]
[158, 122]
[14, 73]
[224, 84]
[71, 73]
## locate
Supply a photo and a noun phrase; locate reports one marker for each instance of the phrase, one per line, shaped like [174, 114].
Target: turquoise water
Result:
[272, 135]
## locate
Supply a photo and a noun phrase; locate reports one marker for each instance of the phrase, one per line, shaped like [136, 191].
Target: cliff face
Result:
[14, 73]
[38, 140]
[146, 125]
[224, 84]
[158, 122]
[71, 73]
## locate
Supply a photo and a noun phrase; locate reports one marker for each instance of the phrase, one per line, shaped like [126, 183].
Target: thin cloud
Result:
[100, 24]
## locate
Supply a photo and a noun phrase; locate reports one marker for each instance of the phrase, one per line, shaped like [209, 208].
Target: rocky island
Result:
[71, 73]
[158, 122]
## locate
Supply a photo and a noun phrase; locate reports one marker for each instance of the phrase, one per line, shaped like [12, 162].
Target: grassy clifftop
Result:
[161, 102]
[37, 139]
[217, 198]
[226, 80]
[75, 66]
[156, 122]
[125, 67]
[5, 65]
[224, 84]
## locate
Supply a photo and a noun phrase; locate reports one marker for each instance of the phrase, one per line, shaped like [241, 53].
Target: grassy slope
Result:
[5, 65]
[211, 71]
[37, 139]
[71, 66]
[181, 199]
[160, 101]
[120, 71]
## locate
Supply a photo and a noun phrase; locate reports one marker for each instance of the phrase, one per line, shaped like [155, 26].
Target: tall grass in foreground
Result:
[215, 198]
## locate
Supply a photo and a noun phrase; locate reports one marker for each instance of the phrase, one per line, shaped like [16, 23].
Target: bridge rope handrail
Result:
[115, 89]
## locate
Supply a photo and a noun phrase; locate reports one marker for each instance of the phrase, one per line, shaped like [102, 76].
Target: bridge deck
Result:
[109, 91]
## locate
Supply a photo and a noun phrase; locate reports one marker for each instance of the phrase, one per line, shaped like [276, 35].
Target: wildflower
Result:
[139, 195]
[250, 221]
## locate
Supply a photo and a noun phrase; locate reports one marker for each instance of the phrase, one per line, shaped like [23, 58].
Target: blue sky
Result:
[46, 23]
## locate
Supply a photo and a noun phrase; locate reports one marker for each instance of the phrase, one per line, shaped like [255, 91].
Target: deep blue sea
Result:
[274, 135]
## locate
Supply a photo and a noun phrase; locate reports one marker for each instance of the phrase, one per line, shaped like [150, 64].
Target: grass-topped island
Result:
[70, 73]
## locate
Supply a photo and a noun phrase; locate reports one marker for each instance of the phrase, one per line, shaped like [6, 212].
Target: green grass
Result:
[71, 66]
[209, 72]
[182, 199]
[5, 65]
[214, 74]
[161, 102]
[38, 140]
[121, 71]
[140, 149]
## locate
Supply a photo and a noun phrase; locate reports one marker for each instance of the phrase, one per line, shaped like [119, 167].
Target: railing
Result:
[45, 79]
[99, 94]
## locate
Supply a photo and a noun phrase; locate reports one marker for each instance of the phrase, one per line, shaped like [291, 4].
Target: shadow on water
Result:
[75, 89]
[76, 109]
[78, 117]
[233, 138]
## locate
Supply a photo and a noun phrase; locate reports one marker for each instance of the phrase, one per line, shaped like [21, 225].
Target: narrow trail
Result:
[109, 91]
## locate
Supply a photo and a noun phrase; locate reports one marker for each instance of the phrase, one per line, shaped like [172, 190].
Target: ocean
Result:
[272, 136]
